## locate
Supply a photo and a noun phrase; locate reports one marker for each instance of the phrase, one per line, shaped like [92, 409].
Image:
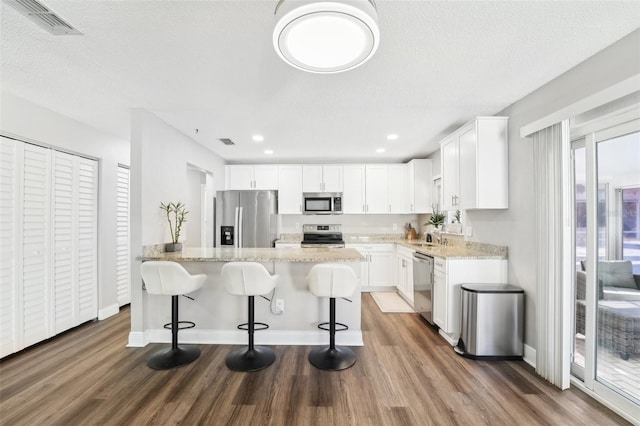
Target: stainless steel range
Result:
[322, 236]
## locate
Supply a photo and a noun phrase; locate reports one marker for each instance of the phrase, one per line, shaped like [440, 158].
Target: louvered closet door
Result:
[87, 224]
[122, 254]
[9, 224]
[63, 240]
[35, 243]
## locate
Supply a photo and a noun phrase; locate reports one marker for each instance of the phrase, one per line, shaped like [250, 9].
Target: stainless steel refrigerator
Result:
[246, 218]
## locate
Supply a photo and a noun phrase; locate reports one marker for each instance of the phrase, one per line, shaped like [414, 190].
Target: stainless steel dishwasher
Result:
[423, 285]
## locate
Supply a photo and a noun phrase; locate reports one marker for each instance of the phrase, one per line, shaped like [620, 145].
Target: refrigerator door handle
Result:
[236, 227]
[240, 230]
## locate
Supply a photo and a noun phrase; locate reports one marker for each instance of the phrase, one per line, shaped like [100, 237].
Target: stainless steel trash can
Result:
[492, 322]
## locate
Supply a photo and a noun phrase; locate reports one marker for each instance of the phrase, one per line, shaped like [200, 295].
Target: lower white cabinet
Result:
[377, 271]
[404, 267]
[449, 275]
[48, 218]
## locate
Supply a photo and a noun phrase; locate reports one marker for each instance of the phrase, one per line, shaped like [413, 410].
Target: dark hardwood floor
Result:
[405, 375]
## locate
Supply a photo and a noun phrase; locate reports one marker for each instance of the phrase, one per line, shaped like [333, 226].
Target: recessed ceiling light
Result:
[257, 138]
[380, 150]
[392, 136]
[268, 151]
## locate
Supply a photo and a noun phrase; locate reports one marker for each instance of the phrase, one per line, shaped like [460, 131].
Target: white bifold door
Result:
[48, 243]
[122, 249]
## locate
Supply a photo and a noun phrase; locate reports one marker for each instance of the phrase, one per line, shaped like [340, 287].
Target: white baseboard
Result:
[530, 356]
[369, 289]
[239, 337]
[107, 312]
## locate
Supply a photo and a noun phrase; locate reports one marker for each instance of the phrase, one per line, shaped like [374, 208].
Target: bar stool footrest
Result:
[189, 324]
[325, 326]
[261, 326]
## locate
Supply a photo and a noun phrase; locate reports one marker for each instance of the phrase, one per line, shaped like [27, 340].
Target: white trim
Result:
[450, 340]
[107, 312]
[624, 411]
[239, 337]
[611, 93]
[529, 355]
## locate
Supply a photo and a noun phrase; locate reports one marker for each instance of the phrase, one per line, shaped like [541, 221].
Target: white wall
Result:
[160, 158]
[515, 227]
[23, 119]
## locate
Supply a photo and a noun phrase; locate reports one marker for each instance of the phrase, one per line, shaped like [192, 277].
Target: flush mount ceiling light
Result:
[326, 36]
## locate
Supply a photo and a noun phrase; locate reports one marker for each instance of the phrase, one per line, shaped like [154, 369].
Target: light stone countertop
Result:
[456, 249]
[216, 254]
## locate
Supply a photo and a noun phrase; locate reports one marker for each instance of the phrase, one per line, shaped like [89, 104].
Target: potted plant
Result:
[179, 213]
[456, 224]
[437, 218]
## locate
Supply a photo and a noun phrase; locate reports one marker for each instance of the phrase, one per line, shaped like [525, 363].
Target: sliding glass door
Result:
[606, 195]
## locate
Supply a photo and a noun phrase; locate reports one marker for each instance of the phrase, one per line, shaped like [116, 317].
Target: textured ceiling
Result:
[210, 65]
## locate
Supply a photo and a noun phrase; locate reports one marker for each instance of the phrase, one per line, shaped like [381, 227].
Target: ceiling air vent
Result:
[227, 141]
[43, 16]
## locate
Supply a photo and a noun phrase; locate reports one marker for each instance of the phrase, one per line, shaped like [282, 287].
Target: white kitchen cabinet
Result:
[290, 189]
[449, 275]
[49, 243]
[397, 188]
[377, 271]
[322, 178]
[376, 183]
[404, 265]
[247, 176]
[474, 165]
[353, 194]
[419, 183]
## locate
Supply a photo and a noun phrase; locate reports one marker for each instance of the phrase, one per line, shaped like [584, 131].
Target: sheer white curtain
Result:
[551, 191]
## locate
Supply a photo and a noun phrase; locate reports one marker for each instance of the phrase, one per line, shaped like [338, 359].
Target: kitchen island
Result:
[217, 313]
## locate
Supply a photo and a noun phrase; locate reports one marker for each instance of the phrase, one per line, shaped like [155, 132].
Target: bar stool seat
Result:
[171, 279]
[332, 280]
[249, 279]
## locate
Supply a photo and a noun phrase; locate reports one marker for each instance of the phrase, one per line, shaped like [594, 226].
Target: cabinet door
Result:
[381, 268]
[467, 146]
[376, 189]
[353, 194]
[409, 279]
[290, 189]
[312, 178]
[440, 299]
[419, 177]
[449, 165]
[10, 151]
[397, 188]
[332, 178]
[239, 177]
[265, 177]
[36, 287]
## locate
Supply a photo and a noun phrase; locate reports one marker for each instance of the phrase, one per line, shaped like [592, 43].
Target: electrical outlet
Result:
[297, 225]
[280, 305]
[395, 226]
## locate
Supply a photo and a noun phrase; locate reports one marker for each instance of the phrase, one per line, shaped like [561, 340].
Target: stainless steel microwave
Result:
[322, 202]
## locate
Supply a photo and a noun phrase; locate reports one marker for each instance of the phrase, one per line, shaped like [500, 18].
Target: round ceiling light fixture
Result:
[326, 36]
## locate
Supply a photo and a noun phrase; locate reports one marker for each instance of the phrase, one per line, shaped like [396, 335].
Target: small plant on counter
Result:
[179, 213]
[456, 217]
[437, 218]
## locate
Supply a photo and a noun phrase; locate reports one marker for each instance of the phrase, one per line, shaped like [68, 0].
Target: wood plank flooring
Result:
[405, 375]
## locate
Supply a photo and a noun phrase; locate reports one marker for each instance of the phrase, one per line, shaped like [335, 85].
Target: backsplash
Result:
[351, 224]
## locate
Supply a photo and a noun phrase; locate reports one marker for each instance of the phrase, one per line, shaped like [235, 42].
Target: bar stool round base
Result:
[245, 359]
[166, 359]
[339, 358]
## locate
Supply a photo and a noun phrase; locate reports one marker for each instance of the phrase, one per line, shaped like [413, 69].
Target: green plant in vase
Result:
[437, 218]
[176, 216]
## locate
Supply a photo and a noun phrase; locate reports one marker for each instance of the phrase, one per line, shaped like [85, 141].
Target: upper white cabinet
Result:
[247, 176]
[419, 183]
[474, 163]
[322, 178]
[376, 199]
[290, 189]
[353, 194]
[397, 188]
